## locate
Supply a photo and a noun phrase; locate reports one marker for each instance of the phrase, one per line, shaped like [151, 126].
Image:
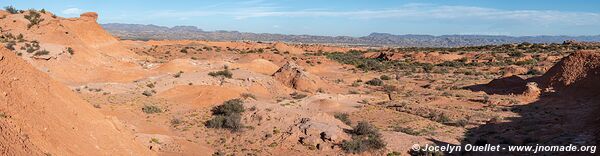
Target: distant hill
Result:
[147, 32]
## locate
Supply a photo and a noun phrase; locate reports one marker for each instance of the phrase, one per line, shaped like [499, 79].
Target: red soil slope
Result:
[579, 71]
[42, 116]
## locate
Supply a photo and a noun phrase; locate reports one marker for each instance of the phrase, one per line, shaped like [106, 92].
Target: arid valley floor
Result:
[68, 87]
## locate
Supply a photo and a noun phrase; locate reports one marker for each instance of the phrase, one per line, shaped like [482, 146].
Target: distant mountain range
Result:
[148, 32]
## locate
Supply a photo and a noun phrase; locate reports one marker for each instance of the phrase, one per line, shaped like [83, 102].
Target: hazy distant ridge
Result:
[146, 32]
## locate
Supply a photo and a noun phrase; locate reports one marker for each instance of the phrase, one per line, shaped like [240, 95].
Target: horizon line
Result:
[457, 34]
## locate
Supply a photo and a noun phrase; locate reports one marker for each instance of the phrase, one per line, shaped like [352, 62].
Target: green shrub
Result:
[375, 82]
[225, 73]
[344, 117]
[233, 106]
[365, 137]
[11, 9]
[227, 115]
[151, 109]
[10, 45]
[409, 131]
[175, 122]
[231, 122]
[248, 95]
[427, 67]
[296, 95]
[70, 50]
[34, 18]
[364, 128]
[440, 118]
[385, 77]
[41, 52]
[516, 54]
[454, 64]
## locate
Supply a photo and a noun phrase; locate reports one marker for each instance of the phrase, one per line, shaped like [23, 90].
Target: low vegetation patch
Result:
[385, 77]
[34, 18]
[70, 50]
[41, 52]
[375, 82]
[224, 73]
[365, 137]
[151, 109]
[344, 117]
[227, 115]
[11, 9]
[297, 95]
[248, 96]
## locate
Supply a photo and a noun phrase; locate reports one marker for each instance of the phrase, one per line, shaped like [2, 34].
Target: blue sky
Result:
[346, 17]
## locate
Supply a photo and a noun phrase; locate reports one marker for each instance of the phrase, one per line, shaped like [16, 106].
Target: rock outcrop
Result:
[89, 16]
[294, 76]
[579, 71]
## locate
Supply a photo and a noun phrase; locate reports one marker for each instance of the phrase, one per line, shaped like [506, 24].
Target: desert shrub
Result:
[364, 128]
[11, 9]
[355, 84]
[225, 73]
[385, 77]
[296, 95]
[150, 85]
[233, 106]
[41, 52]
[516, 54]
[454, 64]
[148, 92]
[70, 50]
[34, 18]
[151, 109]
[344, 117]
[354, 57]
[248, 95]
[365, 137]
[154, 140]
[227, 115]
[408, 130]
[375, 82]
[34, 46]
[20, 38]
[10, 45]
[440, 118]
[176, 121]
[427, 67]
[232, 122]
